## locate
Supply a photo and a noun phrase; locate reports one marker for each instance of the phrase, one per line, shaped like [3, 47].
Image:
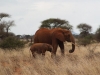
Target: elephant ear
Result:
[60, 36]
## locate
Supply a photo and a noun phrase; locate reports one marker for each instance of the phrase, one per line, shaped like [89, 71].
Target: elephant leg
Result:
[61, 45]
[33, 54]
[54, 50]
[43, 54]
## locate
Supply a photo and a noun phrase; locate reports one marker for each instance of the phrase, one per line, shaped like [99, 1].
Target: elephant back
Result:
[42, 36]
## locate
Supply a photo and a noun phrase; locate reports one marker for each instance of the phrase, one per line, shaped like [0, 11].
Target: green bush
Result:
[85, 40]
[11, 43]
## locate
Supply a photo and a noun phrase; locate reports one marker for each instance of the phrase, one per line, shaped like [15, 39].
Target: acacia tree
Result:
[54, 23]
[4, 25]
[85, 36]
[8, 25]
[84, 29]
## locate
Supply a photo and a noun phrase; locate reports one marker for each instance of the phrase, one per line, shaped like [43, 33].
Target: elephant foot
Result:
[62, 54]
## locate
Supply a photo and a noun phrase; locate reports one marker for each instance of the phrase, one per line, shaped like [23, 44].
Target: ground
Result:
[84, 61]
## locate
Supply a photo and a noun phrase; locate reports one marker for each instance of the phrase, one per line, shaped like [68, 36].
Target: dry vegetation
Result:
[84, 61]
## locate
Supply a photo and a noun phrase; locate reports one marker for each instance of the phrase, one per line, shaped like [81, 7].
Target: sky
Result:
[28, 14]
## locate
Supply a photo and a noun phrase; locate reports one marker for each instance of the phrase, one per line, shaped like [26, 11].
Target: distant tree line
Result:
[84, 38]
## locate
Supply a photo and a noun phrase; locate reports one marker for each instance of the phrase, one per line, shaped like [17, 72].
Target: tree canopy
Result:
[54, 23]
[84, 29]
[2, 15]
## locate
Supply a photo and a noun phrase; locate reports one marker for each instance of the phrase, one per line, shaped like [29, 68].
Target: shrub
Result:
[30, 44]
[86, 40]
[97, 35]
[11, 43]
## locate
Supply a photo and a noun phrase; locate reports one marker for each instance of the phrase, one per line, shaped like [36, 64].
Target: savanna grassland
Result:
[84, 61]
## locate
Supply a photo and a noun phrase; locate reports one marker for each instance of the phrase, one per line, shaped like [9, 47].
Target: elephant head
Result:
[50, 48]
[64, 35]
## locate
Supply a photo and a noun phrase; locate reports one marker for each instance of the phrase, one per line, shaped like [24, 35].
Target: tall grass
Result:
[84, 61]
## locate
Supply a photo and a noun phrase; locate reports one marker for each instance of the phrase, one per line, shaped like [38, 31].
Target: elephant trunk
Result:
[73, 45]
[73, 48]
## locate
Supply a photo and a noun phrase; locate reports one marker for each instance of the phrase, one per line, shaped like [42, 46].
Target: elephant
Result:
[55, 37]
[40, 48]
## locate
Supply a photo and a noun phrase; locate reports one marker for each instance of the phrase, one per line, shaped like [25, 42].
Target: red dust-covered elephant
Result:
[55, 37]
[40, 48]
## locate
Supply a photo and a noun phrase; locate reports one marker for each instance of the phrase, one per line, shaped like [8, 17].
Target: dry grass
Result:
[84, 61]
